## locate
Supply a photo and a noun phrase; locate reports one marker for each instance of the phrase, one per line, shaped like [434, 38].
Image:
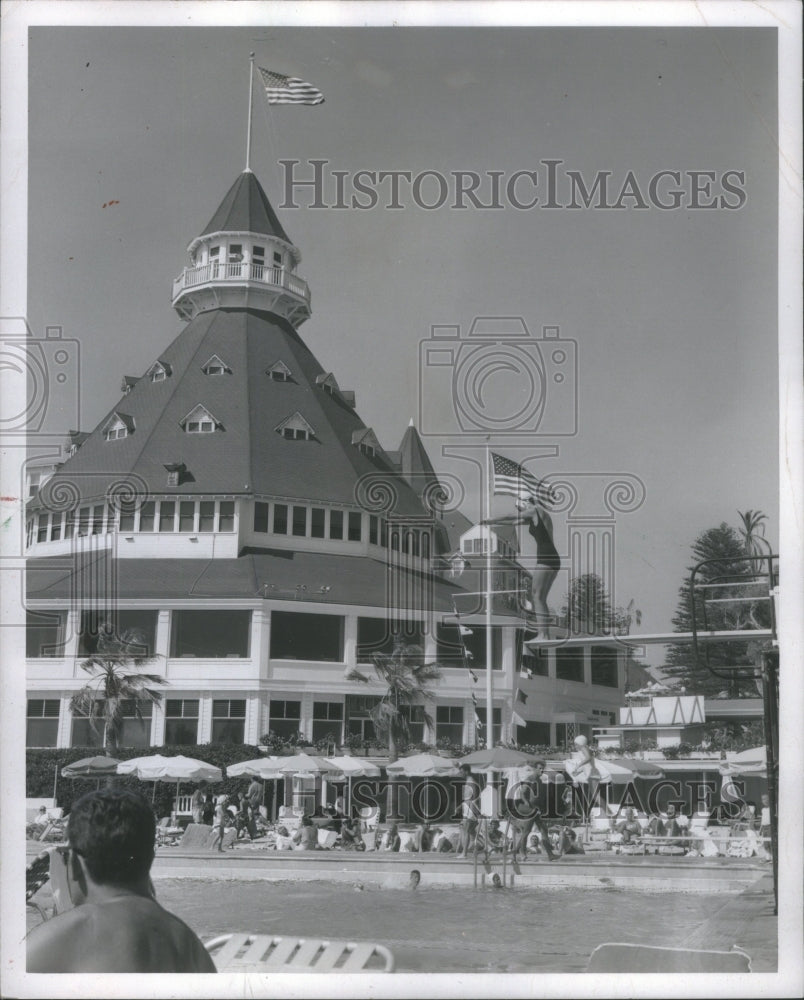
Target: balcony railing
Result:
[276, 277]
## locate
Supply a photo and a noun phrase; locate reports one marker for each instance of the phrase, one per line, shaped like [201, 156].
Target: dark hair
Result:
[114, 832]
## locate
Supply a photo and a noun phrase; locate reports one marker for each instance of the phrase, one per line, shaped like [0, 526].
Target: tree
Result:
[752, 531]
[720, 612]
[114, 684]
[587, 607]
[408, 681]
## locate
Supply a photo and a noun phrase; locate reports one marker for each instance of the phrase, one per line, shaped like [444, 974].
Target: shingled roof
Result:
[246, 208]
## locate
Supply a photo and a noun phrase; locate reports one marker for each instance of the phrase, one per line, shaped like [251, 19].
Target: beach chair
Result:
[269, 953]
[369, 818]
[327, 838]
[620, 957]
[37, 873]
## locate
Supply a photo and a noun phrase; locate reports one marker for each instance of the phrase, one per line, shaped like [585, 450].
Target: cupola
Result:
[243, 259]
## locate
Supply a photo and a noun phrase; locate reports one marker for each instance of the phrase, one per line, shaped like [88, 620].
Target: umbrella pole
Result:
[55, 782]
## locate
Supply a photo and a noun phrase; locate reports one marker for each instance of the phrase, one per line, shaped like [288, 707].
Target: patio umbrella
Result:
[424, 765]
[158, 768]
[614, 772]
[497, 759]
[90, 767]
[354, 767]
[261, 767]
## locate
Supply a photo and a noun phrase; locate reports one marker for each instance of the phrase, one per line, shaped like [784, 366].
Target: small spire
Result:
[250, 93]
[410, 422]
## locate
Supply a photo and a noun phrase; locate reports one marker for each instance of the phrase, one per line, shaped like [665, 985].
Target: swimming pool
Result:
[446, 929]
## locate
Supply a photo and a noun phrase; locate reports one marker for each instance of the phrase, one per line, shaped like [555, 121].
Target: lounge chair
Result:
[267, 953]
[617, 957]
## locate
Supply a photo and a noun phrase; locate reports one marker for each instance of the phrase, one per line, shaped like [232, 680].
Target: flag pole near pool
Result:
[489, 679]
[250, 101]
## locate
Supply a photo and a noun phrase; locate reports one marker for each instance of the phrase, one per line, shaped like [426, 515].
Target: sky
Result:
[135, 135]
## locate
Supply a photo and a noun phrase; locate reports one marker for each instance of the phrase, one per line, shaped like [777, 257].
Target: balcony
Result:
[215, 284]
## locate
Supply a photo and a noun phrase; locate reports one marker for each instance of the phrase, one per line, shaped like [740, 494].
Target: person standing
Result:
[470, 810]
[197, 802]
[219, 823]
[254, 796]
[548, 561]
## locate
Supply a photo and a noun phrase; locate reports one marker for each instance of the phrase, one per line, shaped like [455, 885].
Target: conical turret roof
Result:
[246, 208]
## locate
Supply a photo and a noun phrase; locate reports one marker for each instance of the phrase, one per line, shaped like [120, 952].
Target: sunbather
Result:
[628, 827]
[116, 925]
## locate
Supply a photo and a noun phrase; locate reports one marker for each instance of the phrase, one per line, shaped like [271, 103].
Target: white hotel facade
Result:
[235, 509]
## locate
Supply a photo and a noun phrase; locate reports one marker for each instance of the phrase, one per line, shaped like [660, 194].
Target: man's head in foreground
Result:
[113, 832]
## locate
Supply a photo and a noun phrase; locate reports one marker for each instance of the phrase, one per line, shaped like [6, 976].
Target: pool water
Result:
[434, 929]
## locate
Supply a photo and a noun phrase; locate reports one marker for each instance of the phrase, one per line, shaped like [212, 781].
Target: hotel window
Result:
[226, 510]
[42, 724]
[383, 533]
[215, 366]
[181, 721]
[69, 524]
[44, 633]
[533, 734]
[228, 720]
[604, 667]
[279, 372]
[97, 520]
[366, 449]
[43, 522]
[284, 718]
[187, 516]
[449, 723]
[317, 523]
[147, 513]
[379, 635]
[128, 509]
[129, 625]
[300, 636]
[280, 519]
[358, 715]
[136, 729]
[328, 720]
[569, 664]
[204, 426]
[261, 517]
[84, 733]
[373, 529]
[450, 643]
[117, 432]
[210, 634]
[336, 524]
[277, 259]
[355, 526]
[55, 527]
[214, 260]
[206, 516]
[158, 372]
[296, 433]
[84, 517]
[257, 262]
[414, 717]
[167, 515]
[300, 521]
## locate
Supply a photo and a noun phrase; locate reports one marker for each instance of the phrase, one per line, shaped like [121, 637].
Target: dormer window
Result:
[277, 259]
[296, 428]
[128, 384]
[200, 421]
[159, 371]
[279, 372]
[366, 442]
[118, 426]
[216, 367]
[328, 383]
[174, 473]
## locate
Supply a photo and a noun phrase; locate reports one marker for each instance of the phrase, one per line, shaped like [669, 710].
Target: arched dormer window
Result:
[118, 426]
[215, 366]
[279, 372]
[200, 421]
[159, 371]
[366, 442]
[296, 428]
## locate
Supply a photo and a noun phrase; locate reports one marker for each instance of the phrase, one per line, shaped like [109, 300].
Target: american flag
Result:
[509, 478]
[281, 89]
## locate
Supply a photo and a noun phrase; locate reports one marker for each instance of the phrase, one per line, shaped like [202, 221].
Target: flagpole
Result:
[250, 96]
[489, 646]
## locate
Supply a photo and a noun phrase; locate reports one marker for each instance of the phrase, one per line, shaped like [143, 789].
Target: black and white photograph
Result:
[401, 472]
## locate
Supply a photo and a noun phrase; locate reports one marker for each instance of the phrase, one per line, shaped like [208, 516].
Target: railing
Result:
[277, 277]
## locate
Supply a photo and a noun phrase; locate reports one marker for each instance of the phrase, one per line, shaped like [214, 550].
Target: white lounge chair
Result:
[268, 953]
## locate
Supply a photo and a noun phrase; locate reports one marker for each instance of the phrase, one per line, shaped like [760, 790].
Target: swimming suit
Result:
[546, 553]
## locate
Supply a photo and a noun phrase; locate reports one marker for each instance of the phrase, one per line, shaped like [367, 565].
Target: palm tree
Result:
[408, 681]
[752, 531]
[114, 684]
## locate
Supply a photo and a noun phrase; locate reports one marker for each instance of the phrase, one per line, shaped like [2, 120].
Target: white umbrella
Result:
[423, 765]
[260, 767]
[753, 761]
[354, 767]
[158, 768]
